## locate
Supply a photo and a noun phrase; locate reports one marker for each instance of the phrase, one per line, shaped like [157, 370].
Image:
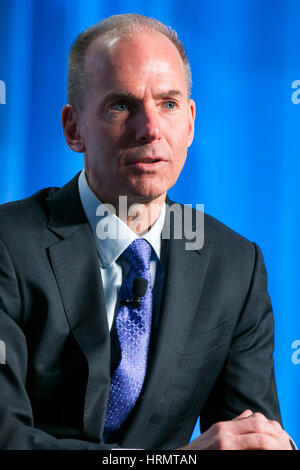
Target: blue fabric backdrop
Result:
[244, 163]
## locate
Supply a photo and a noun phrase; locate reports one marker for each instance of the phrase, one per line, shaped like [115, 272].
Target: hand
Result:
[248, 431]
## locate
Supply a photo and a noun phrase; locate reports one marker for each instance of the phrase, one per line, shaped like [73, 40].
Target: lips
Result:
[144, 160]
[145, 165]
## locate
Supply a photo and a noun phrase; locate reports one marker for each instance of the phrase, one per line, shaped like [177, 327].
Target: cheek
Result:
[179, 164]
[100, 135]
[178, 136]
[101, 149]
[180, 151]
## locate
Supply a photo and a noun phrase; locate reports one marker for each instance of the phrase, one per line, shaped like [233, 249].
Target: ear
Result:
[192, 115]
[69, 118]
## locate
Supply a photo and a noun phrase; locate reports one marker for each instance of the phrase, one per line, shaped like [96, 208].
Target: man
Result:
[122, 342]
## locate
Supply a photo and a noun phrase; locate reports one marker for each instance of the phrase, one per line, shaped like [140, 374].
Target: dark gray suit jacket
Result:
[211, 347]
[11, 432]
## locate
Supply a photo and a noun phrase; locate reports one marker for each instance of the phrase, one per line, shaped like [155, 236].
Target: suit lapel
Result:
[76, 268]
[185, 275]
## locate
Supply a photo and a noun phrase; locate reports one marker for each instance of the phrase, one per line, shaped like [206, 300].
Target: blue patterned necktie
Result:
[133, 328]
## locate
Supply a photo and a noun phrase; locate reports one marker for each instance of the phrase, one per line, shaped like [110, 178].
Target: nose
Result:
[147, 125]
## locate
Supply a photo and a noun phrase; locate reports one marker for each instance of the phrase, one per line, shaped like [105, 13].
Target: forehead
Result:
[136, 61]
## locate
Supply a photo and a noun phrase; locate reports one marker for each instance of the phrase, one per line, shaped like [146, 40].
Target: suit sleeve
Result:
[13, 373]
[247, 380]
[11, 436]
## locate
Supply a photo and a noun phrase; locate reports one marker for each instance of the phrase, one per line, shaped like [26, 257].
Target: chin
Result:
[147, 191]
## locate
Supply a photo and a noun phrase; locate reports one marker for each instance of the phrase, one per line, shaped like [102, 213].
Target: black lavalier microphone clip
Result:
[139, 288]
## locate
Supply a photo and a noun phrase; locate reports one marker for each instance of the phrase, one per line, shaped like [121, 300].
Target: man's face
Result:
[137, 121]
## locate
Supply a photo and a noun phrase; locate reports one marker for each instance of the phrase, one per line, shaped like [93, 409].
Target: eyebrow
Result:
[127, 95]
[169, 94]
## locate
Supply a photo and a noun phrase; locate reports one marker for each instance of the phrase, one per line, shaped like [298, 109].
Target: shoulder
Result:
[221, 233]
[25, 213]
[227, 246]
[33, 212]
[214, 230]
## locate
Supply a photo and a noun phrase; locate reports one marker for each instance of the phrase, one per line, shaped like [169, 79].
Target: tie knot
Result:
[138, 254]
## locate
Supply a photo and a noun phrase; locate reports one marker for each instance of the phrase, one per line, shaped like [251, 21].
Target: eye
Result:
[170, 104]
[121, 106]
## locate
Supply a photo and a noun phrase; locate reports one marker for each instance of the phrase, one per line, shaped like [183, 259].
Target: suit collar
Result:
[66, 211]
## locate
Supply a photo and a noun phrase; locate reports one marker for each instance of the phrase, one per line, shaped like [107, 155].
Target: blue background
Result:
[244, 163]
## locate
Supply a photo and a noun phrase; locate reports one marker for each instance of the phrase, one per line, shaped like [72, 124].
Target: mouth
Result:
[146, 163]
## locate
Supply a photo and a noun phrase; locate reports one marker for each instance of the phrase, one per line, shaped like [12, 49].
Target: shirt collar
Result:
[109, 249]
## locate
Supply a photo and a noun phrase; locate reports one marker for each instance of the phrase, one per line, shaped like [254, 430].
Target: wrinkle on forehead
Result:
[145, 53]
[121, 60]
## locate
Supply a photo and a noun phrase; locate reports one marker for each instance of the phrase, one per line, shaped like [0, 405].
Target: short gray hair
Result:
[116, 25]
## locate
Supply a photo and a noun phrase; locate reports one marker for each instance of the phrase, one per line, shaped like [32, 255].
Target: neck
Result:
[140, 217]
[137, 212]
